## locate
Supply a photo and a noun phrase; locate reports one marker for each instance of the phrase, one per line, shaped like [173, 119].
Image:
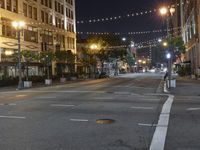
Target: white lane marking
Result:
[13, 117]
[79, 120]
[54, 91]
[20, 95]
[151, 99]
[103, 98]
[192, 109]
[61, 105]
[147, 125]
[122, 93]
[11, 104]
[46, 97]
[150, 108]
[165, 88]
[159, 137]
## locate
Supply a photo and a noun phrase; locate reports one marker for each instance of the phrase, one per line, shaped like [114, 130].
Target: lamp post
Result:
[0, 53]
[92, 47]
[19, 25]
[47, 61]
[168, 56]
[168, 13]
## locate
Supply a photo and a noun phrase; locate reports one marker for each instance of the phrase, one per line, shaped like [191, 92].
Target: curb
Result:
[165, 89]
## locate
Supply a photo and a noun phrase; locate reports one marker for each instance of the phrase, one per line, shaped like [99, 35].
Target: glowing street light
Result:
[19, 25]
[172, 10]
[8, 53]
[93, 46]
[163, 11]
[144, 62]
[124, 39]
[165, 44]
[159, 40]
[168, 56]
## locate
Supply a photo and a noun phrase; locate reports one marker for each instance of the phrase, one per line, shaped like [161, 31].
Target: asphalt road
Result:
[64, 117]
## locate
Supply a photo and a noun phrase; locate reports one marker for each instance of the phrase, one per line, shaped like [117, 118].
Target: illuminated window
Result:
[14, 2]
[7, 30]
[25, 9]
[30, 12]
[56, 5]
[46, 18]
[50, 4]
[35, 13]
[2, 4]
[31, 34]
[42, 16]
[8, 5]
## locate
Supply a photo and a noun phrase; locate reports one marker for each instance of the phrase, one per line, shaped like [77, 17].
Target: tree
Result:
[103, 56]
[46, 58]
[28, 57]
[178, 46]
[106, 47]
[61, 58]
[71, 61]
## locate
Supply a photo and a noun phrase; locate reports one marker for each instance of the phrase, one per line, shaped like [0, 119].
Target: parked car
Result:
[103, 75]
[140, 69]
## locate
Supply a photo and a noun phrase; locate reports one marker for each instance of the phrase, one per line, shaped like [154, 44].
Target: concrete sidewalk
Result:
[186, 86]
[40, 84]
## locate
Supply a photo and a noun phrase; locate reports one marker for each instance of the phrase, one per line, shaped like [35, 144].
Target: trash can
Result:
[173, 83]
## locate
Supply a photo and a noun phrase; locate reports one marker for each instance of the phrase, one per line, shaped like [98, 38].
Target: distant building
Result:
[50, 25]
[157, 56]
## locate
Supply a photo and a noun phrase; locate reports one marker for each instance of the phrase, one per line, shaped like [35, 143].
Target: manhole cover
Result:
[105, 121]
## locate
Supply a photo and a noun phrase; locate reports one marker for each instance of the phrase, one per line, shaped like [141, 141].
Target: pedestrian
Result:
[166, 75]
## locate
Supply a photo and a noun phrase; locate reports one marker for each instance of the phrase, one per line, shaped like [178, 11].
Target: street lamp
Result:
[165, 44]
[163, 11]
[172, 10]
[19, 25]
[124, 39]
[159, 40]
[168, 55]
[93, 46]
[93, 50]
[169, 58]
[168, 12]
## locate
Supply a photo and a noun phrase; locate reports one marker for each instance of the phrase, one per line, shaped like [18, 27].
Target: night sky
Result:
[93, 9]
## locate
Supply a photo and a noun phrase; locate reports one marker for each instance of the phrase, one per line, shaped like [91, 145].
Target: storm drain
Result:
[105, 121]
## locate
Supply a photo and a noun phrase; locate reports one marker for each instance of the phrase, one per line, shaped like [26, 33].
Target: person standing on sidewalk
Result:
[166, 75]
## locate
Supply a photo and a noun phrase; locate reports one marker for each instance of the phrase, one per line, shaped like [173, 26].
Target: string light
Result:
[130, 33]
[112, 18]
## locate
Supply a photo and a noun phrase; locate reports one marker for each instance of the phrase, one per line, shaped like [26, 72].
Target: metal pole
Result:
[170, 59]
[20, 83]
[0, 54]
[170, 71]
[48, 76]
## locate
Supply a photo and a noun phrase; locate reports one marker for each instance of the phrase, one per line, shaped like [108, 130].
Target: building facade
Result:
[190, 25]
[50, 26]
